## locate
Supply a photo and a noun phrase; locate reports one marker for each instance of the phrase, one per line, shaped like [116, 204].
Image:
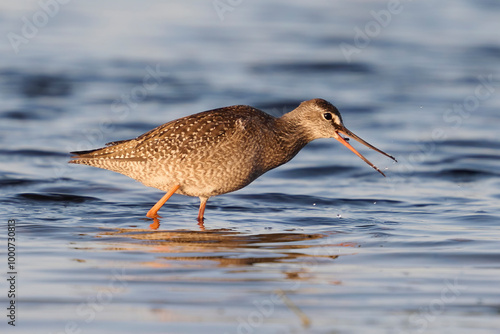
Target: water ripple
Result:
[55, 197]
[304, 67]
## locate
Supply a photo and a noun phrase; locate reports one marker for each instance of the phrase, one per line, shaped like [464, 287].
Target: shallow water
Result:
[323, 244]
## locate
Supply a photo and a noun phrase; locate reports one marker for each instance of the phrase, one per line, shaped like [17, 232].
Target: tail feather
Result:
[84, 157]
[115, 150]
[79, 154]
[89, 154]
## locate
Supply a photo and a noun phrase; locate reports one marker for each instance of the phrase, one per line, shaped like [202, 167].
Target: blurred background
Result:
[323, 244]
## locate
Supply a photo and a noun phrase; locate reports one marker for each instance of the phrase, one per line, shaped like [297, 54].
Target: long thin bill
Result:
[342, 140]
[353, 136]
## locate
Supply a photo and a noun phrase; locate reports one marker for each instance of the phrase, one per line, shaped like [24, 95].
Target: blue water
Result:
[323, 244]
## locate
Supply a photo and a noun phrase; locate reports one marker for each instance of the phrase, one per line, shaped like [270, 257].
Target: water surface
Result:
[323, 244]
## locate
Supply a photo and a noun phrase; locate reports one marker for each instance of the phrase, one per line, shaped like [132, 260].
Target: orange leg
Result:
[153, 213]
[203, 203]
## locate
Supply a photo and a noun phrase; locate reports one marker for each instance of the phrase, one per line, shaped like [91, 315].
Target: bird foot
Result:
[155, 225]
[201, 223]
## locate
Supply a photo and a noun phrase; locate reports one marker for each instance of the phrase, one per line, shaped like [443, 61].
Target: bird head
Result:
[323, 120]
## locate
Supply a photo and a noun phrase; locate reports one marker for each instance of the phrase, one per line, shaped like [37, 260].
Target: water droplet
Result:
[375, 202]
[314, 204]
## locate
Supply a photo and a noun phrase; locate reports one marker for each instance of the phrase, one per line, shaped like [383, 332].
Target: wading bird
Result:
[219, 151]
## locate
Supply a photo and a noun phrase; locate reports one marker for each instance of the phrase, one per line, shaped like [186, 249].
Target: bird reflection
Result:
[229, 248]
[156, 224]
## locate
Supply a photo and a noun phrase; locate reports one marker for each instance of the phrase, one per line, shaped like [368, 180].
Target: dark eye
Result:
[327, 116]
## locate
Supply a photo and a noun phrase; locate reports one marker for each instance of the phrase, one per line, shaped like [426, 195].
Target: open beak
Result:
[348, 133]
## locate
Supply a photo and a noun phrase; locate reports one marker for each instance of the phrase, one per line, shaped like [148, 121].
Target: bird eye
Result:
[327, 116]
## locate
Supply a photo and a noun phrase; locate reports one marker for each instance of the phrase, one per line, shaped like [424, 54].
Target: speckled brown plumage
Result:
[217, 151]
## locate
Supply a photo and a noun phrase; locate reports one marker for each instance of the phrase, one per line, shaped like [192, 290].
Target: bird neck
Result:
[289, 138]
[293, 129]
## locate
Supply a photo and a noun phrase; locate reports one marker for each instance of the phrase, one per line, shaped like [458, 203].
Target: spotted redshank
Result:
[221, 150]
